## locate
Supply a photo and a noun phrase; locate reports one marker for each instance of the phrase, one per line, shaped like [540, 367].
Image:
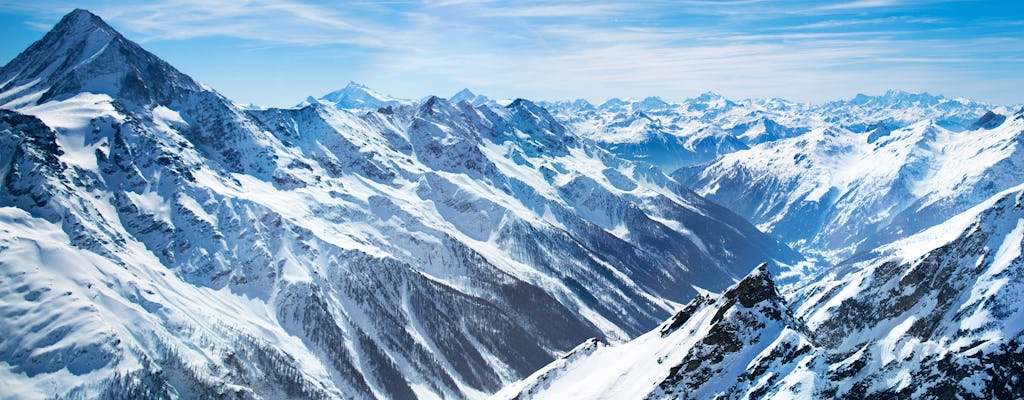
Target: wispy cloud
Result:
[557, 11]
[271, 21]
[854, 22]
[289, 22]
[862, 4]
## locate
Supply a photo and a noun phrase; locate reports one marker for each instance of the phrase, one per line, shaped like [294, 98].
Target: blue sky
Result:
[275, 53]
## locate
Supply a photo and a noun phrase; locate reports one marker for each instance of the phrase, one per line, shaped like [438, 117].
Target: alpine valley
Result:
[160, 241]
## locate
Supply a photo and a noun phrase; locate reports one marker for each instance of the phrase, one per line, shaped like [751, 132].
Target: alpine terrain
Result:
[935, 315]
[161, 241]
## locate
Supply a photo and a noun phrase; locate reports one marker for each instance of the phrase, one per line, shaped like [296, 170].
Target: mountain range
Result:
[161, 241]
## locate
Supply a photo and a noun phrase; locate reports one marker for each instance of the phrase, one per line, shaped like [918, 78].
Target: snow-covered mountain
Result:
[897, 108]
[698, 130]
[653, 130]
[471, 98]
[160, 241]
[935, 315]
[357, 97]
[917, 199]
[838, 192]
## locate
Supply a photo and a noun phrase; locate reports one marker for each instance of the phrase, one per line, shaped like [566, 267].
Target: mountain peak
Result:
[84, 54]
[613, 102]
[521, 102]
[878, 131]
[464, 93]
[524, 105]
[709, 96]
[469, 97]
[433, 105]
[359, 96]
[538, 113]
[990, 120]
[83, 20]
[651, 103]
[758, 286]
[350, 88]
[355, 85]
[582, 104]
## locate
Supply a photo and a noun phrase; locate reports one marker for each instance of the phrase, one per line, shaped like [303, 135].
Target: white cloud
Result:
[861, 4]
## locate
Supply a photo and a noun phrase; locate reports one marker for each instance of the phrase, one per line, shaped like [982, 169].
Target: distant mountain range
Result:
[160, 241]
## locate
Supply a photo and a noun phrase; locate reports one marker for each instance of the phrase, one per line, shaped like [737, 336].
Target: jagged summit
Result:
[464, 94]
[536, 115]
[433, 104]
[891, 95]
[651, 103]
[84, 20]
[989, 120]
[469, 97]
[756, 287]
[84, 54]
[713, 99]
[955, 113]
[522, 103]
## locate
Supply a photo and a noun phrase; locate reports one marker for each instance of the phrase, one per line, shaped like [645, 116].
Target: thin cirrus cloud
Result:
[861, 4]
[270, 21]
[801, 50]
